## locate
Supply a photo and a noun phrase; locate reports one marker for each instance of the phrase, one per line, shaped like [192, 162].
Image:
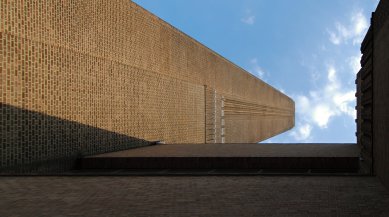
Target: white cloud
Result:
[249, 20]
[342, 102]
[331, 75]
[302, 104]
[256, 70]
[334, 38]
[321, 114]
[302, 132]
[354, 63]
[360, 24]
[354, 31]
[332, 95]
[341, 34]
[322, 104]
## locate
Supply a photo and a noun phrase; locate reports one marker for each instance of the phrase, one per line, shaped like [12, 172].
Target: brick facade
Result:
[86, 77]
[373, 95]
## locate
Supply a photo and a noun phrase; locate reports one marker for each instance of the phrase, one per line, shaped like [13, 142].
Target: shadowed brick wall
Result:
[373, 95]
[381, 91]
[85, 77]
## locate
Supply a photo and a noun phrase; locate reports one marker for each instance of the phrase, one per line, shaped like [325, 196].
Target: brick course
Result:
[296, 196]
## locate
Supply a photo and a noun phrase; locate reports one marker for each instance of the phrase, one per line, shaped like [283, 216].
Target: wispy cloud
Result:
[322, 104]
[255, 69]
[331, 97]
[249, 20]
[353, 31]
[302, 132]
[354, 63]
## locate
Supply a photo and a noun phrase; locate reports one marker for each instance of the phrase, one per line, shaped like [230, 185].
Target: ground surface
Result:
[193, 196]
[240, 150]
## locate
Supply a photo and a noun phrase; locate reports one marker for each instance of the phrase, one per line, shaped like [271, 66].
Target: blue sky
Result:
[309, 49]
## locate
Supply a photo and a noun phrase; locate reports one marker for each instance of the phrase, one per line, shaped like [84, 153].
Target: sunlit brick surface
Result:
[85, 77]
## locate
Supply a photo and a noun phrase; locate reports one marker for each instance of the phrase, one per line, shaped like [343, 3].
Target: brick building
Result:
[85, 77]
[373, 96]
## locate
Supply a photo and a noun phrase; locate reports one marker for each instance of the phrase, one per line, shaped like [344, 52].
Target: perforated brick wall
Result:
[85, 77]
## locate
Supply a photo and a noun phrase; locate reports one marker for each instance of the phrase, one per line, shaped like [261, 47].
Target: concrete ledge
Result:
[330, 157]
[221, 163]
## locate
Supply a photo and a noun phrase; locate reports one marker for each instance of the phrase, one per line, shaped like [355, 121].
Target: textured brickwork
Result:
[214, 116]
[381, 91]
[253, 119]
[85, 77]
[374, 80]
[364, 96]
[270, 196]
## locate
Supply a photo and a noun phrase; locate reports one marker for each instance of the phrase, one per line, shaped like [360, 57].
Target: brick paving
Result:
[193, 196]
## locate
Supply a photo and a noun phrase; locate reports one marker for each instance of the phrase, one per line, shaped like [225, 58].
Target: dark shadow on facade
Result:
[33, 142]
[372, 96]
